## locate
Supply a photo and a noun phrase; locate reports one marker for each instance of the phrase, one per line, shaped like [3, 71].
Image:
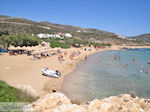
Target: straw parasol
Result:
[12, 48]
[24, 48]
[30, 48]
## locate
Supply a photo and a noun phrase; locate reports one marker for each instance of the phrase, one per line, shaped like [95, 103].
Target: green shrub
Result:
[101, 44]
[73, 41]
[12, 94]
[55, 43]
[18, 40]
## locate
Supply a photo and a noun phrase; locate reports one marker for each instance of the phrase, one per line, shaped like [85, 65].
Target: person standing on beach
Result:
[85, 57]
[65, 53]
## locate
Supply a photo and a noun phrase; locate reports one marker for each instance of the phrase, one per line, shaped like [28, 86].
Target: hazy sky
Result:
[126, 17]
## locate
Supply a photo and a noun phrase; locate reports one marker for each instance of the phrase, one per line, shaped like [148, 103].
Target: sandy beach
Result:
[21, 70]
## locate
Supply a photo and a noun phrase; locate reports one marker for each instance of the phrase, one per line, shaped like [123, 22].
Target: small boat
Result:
[51, 73]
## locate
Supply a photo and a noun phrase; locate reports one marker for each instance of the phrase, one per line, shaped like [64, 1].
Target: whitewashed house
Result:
[79, 31]
[49, 36]
[68, 35]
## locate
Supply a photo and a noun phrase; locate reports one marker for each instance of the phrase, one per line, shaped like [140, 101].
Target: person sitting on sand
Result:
[54, 89]
[71, 57]
[62, 58]
[59, 59]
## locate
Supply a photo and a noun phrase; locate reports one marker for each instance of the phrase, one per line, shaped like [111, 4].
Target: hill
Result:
[143, 37]
[15, 25]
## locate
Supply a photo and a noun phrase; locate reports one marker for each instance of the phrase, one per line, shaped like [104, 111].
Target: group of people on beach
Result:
[62, 56]
[16, 52]
[139, 69]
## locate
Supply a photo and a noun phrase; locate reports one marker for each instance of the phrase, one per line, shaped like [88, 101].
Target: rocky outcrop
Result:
[54, 102]
[121, 103]
[58, 102]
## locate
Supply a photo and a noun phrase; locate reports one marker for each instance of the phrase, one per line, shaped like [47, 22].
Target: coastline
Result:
[120, 102]
[30, 70]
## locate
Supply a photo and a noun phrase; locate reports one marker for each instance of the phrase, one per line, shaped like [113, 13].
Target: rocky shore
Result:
[58, 102]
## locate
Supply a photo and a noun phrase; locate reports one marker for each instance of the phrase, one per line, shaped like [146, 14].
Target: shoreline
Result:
[31, 69]
[119, 102]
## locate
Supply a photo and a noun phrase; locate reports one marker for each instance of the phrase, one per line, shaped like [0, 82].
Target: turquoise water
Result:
[101, 76]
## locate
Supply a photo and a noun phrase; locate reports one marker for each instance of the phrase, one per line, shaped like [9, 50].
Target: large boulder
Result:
[54, 102]
[121, 103]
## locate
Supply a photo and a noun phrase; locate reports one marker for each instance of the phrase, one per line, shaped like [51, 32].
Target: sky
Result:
[125, 17]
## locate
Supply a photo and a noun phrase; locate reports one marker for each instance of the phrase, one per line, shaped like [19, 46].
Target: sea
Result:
[102, 76]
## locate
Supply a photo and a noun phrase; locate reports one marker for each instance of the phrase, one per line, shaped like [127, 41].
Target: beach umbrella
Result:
[12, 48]
[30, 48]
[18, 47]
[24, 48]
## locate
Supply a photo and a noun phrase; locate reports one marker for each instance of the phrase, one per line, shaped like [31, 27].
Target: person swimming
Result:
[141, 70]
[133, 60]
[147, 70]
[149, 62]
[115, 57]
[107, 63]
[121, 65]
[126, 66]
[119, 58]
[141, 66]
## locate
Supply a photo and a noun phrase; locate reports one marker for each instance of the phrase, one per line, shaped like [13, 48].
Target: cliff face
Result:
[58, 102]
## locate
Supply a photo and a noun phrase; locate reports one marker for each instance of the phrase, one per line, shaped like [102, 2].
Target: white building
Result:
[68, 35]
[49, 36]
[120, 36]
[79, 31]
